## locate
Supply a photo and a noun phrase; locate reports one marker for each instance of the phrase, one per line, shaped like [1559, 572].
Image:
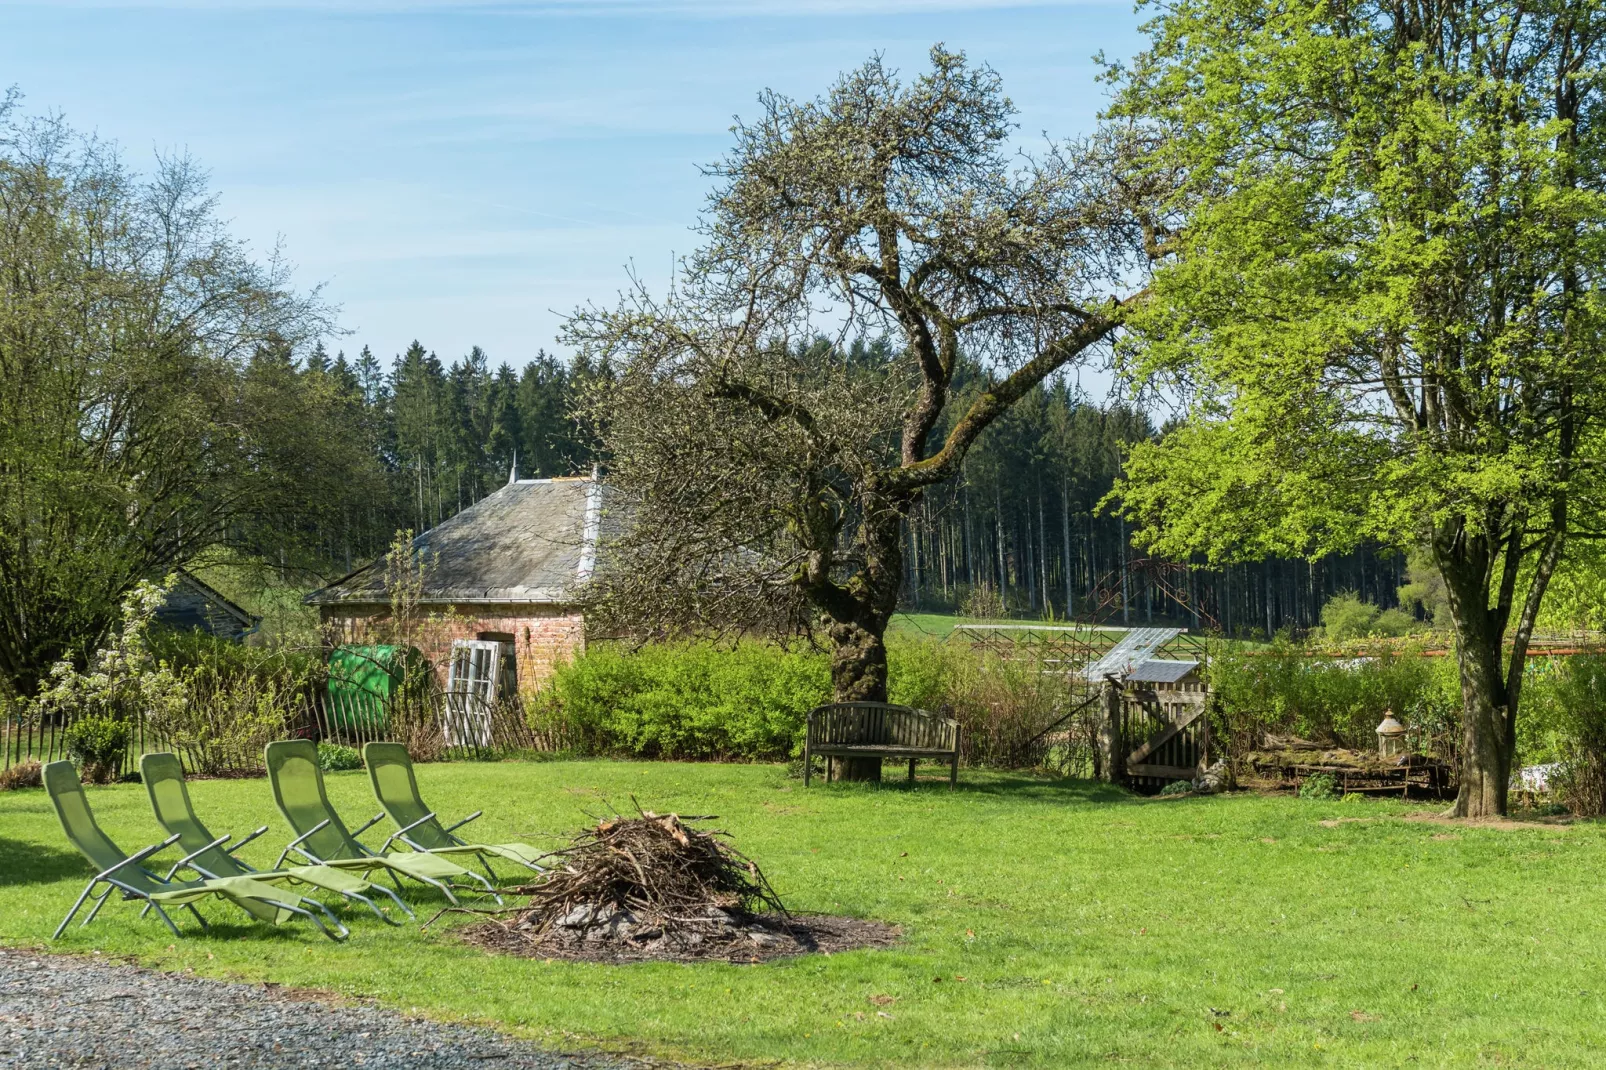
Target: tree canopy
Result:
[125, 440]
[1378, 294]
[166, 400]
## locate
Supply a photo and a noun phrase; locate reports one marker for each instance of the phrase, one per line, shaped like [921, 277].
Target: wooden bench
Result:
[879, 730]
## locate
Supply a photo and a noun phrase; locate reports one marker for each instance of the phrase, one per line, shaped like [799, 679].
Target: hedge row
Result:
[751, 702]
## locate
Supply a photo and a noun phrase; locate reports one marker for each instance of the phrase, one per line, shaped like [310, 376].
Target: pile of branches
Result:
[648, 887]
[652, 887]
[654, 866]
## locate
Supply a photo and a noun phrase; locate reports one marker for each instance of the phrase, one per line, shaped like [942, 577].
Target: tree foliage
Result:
[1379, 294]
[165, 400]
[125, 440]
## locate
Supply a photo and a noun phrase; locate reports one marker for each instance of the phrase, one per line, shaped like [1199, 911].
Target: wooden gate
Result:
[1165, 733]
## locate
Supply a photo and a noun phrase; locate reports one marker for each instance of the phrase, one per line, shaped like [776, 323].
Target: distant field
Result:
[940, 624]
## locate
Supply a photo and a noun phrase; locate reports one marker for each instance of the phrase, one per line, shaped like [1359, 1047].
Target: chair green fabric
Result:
[121, 872]
[208, 855]
[390, 771]
[323, 839]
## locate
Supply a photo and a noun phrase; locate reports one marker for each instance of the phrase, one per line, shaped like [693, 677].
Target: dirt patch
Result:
[1504, 824]
[755, 938]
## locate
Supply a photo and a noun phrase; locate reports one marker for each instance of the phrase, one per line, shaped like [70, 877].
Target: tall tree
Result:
[899, 209]
[507, 425]
[126, 311]
[1380, 292]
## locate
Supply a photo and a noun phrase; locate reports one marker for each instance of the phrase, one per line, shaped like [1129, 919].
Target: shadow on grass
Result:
[220, 925]
[1057, 789]
[33, 863]
[1017, 785]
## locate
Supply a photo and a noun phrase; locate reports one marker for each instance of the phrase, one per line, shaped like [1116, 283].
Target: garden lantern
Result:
[1390, 736]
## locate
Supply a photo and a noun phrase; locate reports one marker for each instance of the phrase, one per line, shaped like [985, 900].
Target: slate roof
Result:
[533, 541]
[192, 604]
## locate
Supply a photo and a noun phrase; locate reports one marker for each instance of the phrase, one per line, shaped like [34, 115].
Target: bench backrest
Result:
[881, 724]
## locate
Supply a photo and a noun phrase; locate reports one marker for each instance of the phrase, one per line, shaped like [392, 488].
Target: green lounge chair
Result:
[120, 872]
[163, 777]
[390, 770]
[323, 839]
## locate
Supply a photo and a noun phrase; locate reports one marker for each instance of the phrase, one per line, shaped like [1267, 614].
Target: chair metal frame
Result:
[130, 892]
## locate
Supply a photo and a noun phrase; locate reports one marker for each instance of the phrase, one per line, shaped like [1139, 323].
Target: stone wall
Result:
[543, 636]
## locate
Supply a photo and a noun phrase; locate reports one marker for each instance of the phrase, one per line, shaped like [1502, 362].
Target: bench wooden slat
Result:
[886, 751]
[880, 730]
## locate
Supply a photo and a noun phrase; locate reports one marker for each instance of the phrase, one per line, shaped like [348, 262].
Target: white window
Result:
[482, 674]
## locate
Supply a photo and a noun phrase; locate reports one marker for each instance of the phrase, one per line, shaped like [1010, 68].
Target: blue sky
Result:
[467, 173]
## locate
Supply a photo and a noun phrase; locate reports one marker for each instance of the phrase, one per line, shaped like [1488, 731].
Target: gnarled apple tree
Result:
[765, 466]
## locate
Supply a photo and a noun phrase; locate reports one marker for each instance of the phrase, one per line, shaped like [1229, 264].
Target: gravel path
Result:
[62, 1011]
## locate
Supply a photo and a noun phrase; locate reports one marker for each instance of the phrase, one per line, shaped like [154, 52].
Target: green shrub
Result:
[1346, 616]
[1562, 720]
[228, 717]
[1331, 700]
[188, 649]
[751, 702]
[686, 700]
[1177, 787]
[1318, 786]
[921, 672]
[1001, 706]
[97, 743]
[337, 757]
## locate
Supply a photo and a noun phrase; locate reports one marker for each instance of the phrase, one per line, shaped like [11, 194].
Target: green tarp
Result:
[365, 680]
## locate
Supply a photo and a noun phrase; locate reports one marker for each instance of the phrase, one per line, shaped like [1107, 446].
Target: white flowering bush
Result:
[122, 682]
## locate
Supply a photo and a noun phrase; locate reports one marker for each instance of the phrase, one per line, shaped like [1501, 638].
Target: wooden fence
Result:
[228, 742]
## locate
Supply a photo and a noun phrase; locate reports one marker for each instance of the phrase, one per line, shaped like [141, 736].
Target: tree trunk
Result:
[858, 674]
[1486, 742]
[1486, 750]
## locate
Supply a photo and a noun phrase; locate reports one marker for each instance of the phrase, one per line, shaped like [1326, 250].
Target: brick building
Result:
[507, 569]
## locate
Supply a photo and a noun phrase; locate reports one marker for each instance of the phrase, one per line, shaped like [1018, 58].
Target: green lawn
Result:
[936, 625]
[1048, 924]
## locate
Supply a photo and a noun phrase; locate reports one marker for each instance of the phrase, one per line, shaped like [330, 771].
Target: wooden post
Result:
[953, 768]
[1111, 768]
